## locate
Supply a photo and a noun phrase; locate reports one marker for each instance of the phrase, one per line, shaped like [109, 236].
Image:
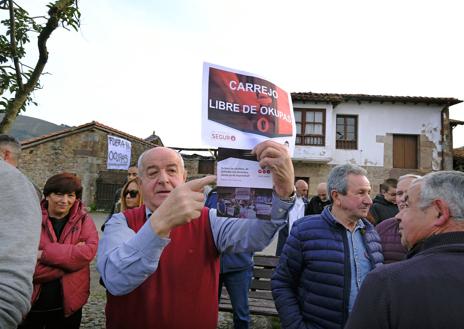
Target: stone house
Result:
[388, 135]
[458, 163]
[198, 166]
[458, 153]
[81, 150]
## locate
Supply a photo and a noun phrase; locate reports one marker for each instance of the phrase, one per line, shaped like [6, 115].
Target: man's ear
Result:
[185, 175]
[7, 155]
[443, 212]
[335, 197]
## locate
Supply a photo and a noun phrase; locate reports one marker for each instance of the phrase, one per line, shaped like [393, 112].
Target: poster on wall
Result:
[240, 110]
[119, 153]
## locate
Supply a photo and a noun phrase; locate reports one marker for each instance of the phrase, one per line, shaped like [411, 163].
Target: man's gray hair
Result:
[140, 161]
[445, 185]
[10, 143]
[408, 176]
[337, 180]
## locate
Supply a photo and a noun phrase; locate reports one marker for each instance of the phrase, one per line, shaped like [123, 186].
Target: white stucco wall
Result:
[374, 119]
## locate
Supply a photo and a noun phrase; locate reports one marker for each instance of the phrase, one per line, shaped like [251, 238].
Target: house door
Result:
[405, 152]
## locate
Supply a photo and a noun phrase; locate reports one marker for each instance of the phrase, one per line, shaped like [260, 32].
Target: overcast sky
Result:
[137, 65]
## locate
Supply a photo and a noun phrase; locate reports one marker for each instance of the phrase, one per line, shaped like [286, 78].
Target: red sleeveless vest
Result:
[182, 292]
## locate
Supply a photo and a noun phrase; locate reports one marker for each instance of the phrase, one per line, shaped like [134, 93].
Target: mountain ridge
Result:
[26, 127]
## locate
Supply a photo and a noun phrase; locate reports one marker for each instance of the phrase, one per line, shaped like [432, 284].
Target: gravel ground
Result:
[93, 314]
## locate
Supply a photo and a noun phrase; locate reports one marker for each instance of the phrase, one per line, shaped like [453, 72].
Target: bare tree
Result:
[17, 79]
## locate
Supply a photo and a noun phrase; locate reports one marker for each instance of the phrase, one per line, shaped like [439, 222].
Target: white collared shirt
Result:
[296, 212]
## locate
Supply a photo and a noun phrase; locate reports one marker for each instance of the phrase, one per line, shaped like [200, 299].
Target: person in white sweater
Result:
[20, 219]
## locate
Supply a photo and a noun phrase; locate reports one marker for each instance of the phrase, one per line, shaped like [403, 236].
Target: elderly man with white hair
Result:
[425, 290]
[160, 262]
[318, 202]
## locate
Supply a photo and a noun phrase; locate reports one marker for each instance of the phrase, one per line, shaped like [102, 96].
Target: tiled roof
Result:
[155, 139]
[339, 98]
[73, 130]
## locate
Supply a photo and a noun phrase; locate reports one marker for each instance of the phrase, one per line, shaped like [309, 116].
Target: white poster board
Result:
[119, 153]
[241, 110]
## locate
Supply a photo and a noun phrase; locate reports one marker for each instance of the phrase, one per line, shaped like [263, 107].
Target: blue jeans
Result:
[238, 284]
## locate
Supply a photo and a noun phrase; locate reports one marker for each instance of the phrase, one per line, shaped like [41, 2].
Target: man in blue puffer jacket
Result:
[327, 256]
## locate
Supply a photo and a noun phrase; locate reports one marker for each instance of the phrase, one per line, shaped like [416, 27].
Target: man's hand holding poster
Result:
[240, 111]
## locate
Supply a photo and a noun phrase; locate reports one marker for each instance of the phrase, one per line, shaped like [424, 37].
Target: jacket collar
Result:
[438, 240]
[329, 218]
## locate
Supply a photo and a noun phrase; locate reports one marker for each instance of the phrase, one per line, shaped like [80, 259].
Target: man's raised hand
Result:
[276, 157]
[182, 205]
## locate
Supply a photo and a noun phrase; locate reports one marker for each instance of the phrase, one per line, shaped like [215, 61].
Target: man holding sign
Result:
[160, 262]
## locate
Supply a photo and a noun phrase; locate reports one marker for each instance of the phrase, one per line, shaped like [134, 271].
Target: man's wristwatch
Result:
[290, 198]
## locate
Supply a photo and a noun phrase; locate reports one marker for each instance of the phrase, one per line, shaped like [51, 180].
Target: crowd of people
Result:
[345, 260]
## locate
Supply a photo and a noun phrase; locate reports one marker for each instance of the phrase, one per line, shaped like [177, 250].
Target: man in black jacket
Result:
[424, 291]
[384, 204]
[319, 201]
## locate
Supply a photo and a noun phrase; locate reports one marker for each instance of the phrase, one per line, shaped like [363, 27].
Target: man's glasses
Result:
[132, 193]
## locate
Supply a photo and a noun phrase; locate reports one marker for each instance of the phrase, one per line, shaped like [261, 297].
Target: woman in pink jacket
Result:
[68, 244]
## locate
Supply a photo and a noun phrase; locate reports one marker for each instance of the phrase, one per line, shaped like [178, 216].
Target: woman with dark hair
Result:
[68, 244]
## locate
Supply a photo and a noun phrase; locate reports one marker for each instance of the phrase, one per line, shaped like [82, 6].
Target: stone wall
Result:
[83, 153]
[447, 143]
[316, 172]
[191, 165]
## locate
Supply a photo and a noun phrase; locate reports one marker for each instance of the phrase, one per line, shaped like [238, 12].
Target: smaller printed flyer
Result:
[244, 188]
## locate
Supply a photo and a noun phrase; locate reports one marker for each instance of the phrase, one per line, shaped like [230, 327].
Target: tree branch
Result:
[14, 55]
[56, 13]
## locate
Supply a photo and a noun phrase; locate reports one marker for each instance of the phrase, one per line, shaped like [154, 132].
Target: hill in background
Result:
[28, 127]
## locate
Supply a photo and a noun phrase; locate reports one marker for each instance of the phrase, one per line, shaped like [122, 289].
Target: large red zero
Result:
[263, 125]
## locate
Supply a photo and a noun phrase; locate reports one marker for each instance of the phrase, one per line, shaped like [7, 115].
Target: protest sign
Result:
[119, 153]
[241, 110]
[244, 189]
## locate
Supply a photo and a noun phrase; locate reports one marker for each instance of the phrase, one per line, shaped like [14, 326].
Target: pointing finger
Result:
[198, 184]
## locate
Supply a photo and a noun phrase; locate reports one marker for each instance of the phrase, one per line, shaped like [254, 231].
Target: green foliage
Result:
[92, 207]
[275, 322]
[14, 72]
[69, 17]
